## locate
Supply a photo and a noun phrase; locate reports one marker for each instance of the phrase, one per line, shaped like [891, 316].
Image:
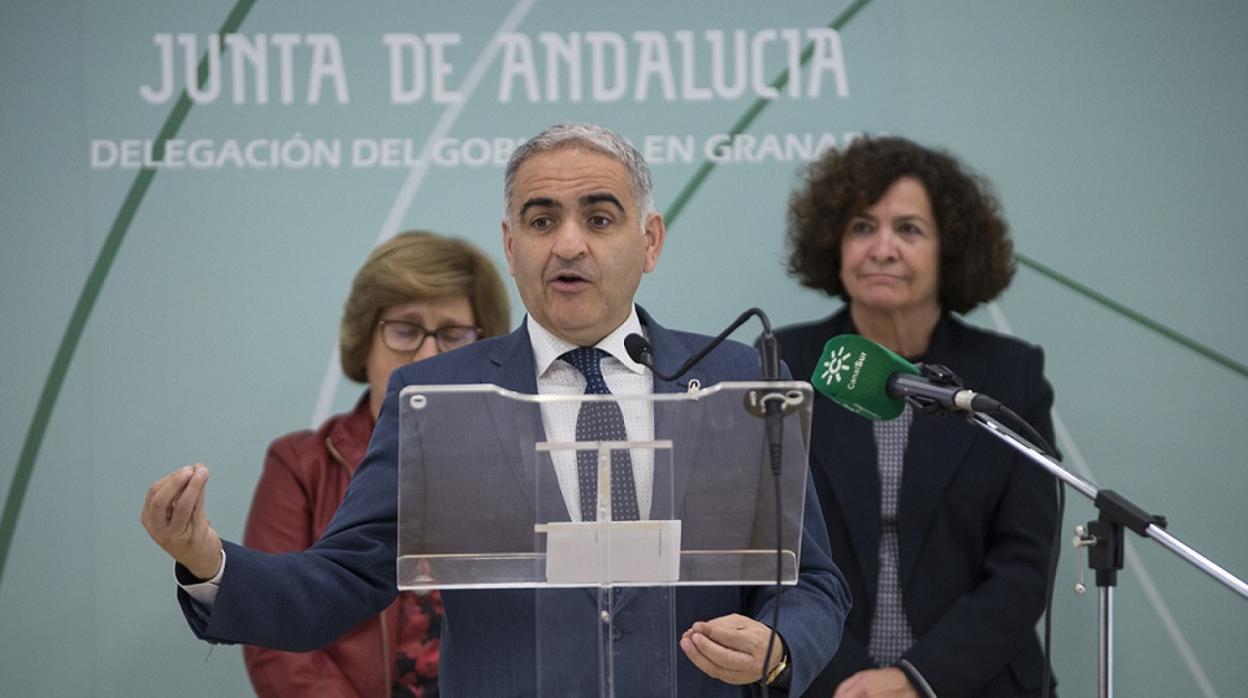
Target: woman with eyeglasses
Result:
[417, 295]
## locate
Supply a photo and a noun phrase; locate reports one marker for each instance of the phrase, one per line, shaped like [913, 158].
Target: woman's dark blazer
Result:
[975, 525]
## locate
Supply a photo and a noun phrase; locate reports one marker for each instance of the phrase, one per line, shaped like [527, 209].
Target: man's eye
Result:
[599, 221]
[541, 223]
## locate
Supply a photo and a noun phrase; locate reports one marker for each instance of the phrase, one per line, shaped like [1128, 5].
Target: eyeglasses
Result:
[407, 337]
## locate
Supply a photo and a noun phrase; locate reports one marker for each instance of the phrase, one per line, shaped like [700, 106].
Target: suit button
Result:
[605, 616]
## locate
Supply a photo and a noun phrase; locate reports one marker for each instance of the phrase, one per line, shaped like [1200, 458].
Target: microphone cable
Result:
[943, 376]
[640, 351]
[1055, 549]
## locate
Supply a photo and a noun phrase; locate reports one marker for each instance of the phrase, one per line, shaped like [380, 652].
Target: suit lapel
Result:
[519, 425]
[674, 420]
[848, 443]
[928, 470]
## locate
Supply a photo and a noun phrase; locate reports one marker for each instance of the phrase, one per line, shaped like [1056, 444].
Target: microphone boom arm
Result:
[1114, 505]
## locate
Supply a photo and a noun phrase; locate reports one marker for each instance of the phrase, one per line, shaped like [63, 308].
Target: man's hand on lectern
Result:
[730, 648]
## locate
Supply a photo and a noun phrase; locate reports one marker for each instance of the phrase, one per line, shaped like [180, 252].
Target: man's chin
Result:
[581, 329]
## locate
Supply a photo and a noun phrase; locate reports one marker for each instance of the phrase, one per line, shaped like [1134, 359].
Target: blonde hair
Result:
[418, 265]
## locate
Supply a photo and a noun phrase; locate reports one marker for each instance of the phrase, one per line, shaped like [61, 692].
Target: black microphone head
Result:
[638, 349]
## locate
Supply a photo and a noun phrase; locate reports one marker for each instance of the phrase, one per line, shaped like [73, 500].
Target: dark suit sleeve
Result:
[305, 600]
[282, 519]
[985, 628]
[812, 613]
[850, 658]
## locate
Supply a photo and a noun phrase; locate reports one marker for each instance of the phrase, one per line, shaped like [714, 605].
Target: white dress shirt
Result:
[623, 376]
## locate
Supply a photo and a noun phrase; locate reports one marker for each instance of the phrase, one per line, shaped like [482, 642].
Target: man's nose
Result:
[570, 239]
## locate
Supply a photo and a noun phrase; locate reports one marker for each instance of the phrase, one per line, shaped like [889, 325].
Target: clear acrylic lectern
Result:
[486, 501]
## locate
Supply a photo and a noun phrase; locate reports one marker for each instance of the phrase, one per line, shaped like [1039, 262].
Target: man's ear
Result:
[507, 246]
[655, 233]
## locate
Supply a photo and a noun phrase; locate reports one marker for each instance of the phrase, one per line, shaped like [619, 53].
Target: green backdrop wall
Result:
[187, 310]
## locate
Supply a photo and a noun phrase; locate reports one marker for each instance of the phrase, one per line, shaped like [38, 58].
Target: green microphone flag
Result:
[854, 372]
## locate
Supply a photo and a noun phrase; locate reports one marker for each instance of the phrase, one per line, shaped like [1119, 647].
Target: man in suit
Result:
[580, 230]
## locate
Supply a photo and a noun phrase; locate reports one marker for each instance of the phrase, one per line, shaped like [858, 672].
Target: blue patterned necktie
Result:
[601, 421]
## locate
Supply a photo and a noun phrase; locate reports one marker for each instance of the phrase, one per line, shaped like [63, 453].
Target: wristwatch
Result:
[779, 674]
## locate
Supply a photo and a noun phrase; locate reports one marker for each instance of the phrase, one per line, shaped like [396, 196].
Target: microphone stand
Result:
[774, 428]
[1104, 540]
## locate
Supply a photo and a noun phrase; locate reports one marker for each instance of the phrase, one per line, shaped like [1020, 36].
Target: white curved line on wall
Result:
[416, 177]
[1073, 455]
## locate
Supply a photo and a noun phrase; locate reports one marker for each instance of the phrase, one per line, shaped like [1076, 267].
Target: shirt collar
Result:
[547, 348]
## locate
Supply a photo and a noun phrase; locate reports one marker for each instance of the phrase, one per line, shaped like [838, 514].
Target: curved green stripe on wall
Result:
[1105, 301]
[134, 197]
[747, 119]
[86, 302]
[691, 187]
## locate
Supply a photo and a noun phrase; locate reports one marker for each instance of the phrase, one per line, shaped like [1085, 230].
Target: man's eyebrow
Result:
[602, 197]
[539, 202]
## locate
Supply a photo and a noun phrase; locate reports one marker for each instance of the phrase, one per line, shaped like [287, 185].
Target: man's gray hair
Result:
[567, 134]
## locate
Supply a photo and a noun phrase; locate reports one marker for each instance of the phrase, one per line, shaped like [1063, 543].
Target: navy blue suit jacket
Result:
[975, 521]
[302, 601]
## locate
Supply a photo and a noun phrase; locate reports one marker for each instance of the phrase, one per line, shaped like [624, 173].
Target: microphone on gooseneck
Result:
[639, 349]
[874, 382]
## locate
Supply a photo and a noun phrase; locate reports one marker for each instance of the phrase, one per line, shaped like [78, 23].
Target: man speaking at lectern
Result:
[579, 231]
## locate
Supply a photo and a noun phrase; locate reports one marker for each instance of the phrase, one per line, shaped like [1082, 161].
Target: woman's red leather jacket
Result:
[304, 479]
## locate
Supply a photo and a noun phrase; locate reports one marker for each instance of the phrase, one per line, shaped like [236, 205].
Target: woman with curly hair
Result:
[942, 532]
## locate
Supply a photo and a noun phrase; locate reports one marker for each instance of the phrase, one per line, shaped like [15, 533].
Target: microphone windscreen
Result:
[854, 372]
[638, 349]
